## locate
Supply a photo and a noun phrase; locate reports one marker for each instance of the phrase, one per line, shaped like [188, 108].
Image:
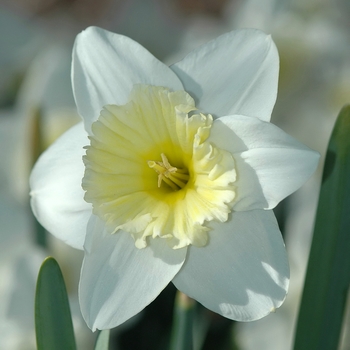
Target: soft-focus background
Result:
[36, 38]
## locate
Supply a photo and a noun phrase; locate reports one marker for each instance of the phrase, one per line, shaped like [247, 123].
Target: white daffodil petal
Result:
[56, 193]
[243, 272]
[270, 164]
[118, 280]
[237, 73]
[105, 67]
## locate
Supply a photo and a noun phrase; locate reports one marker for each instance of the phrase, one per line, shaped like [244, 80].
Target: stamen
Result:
[174, 177]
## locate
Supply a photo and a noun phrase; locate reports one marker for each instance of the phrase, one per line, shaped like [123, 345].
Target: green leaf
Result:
[328, 273]
[102, 341]
[53, 322]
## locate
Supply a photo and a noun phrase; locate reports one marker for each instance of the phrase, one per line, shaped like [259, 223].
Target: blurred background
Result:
[36, 106]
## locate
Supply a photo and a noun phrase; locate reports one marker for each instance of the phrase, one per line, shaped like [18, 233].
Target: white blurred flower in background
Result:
[45, 84]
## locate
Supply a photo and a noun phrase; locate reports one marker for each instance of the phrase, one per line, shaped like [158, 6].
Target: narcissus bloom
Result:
[172, 176]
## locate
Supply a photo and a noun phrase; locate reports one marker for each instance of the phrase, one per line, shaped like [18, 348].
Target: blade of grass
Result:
[328, 273]
[53, 322]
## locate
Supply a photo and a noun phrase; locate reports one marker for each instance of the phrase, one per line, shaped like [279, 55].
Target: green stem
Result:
[102, 341]
[37, 147]
[182, 333]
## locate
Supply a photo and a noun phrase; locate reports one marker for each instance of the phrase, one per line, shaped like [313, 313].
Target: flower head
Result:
[172, 177]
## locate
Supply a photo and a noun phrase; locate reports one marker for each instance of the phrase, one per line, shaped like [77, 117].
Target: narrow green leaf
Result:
[53, 322]
[102, 341]
[328, 273]
[182, 332]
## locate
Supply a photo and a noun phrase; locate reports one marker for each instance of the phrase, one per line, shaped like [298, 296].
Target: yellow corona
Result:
[151, 171]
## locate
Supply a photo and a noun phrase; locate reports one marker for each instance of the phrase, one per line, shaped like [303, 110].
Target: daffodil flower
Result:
[172, 176]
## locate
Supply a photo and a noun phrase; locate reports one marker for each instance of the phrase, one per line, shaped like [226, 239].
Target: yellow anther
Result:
[172, 176]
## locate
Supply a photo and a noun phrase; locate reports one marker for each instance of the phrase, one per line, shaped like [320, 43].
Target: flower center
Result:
[174, 177]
